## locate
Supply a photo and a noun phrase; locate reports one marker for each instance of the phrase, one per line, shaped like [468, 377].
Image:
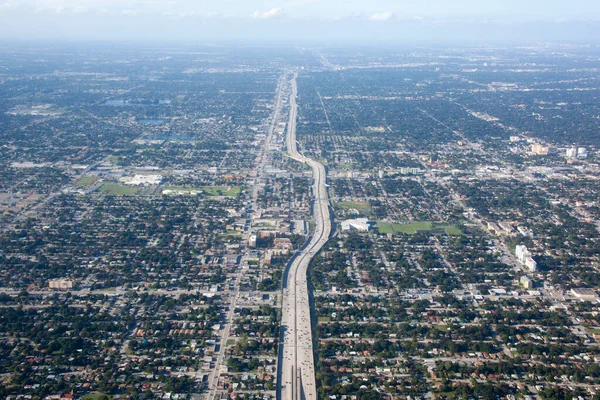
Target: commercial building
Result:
[539, 149]
[60, 284]
[358, 224]
[524, 257]
[584, 293]
[252, 241]
[526, 282]
[141, 180]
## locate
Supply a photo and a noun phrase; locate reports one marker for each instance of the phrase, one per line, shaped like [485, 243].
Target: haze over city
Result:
[380, 21]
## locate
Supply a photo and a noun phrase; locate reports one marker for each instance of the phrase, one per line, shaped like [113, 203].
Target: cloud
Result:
[383, 16]
[83, 6]
[130, 12]
[271, 14]
[7, 5]
[179, 15]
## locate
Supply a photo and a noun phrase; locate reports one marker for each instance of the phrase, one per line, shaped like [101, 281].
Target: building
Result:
[584, 293]
[506, 227]
[539, 149]
[142, 180]
[299, 227]
[410, 171]
[531, 264]
[572, 152]
[284, 244]
[525, 231]
[526, 282]
[60, 284]
[582, 152]
[252, 241]
[492, 227]
[524, 257]
[358, 224]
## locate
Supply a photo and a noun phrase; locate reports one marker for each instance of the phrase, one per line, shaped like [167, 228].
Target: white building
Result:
[410, 171]
[525, 231]
[139, 180]
[524, 257]
[358, 224]
[572, 152]
[252, 241]
[531, 264]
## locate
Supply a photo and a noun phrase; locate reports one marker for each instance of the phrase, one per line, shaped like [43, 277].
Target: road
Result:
[263, 158]
[297, 369]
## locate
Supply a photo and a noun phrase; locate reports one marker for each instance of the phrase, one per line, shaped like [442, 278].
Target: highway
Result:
[297, 369]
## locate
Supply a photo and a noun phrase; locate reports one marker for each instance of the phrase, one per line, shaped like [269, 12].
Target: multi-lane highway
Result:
[297, 370]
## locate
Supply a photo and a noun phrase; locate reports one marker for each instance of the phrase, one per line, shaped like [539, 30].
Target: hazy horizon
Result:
[378, 21]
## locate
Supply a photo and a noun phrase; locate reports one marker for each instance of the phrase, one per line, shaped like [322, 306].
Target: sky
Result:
[402, 21]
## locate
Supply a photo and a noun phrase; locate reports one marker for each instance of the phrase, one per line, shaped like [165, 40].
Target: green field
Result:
[359, 205]
[453, 230]
[86, 181]
[229, 191]
[414, 227]
[114, 159]
[95, 396]
[118, 190]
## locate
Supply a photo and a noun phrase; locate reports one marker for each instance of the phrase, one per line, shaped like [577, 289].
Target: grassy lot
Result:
[86, 181]
[414, 227]
[118, 190]
[324, 319]
[453, 230]
[359, 205]
[229, 191]
[95, 396]
[187, 188]
[385, 228]
[113, 159]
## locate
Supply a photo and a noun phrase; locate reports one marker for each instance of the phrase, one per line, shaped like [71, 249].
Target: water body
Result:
[152, 121]
[170, 137]
[138, 102]
[115, 103]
